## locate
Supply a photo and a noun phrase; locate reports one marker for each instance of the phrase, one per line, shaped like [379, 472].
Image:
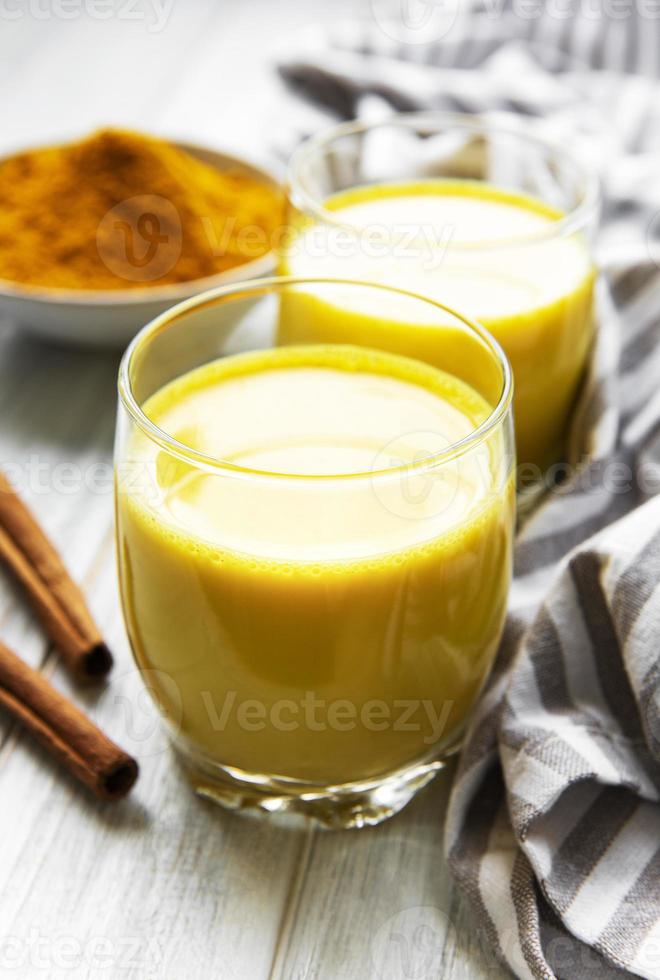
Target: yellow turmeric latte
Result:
[477, 248]
[120, 209]
[311, 618]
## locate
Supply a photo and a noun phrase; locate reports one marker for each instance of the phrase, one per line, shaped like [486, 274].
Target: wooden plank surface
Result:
[165, 885]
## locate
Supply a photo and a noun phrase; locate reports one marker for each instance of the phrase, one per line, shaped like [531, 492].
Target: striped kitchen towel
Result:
[553, 828]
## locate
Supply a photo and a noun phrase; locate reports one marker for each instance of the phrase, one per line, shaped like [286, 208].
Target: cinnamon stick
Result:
[56, 599]
[64, 730]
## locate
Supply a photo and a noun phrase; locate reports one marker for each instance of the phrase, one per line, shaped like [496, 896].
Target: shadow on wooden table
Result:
[55, 395]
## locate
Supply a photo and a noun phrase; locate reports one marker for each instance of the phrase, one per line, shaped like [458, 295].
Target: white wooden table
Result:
[164, 885]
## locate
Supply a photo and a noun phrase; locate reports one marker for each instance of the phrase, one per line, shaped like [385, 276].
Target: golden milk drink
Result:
[483, 250]
[321, 602]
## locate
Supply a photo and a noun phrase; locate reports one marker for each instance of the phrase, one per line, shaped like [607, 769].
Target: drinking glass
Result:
[314, 639]
[484, 216]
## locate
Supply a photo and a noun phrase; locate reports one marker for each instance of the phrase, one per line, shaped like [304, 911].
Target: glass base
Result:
[359, 804]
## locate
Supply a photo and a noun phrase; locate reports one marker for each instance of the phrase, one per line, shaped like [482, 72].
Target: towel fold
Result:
[553, 827]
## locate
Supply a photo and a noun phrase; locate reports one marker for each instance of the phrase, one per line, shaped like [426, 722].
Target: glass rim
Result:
[573, 220]
[274, 284]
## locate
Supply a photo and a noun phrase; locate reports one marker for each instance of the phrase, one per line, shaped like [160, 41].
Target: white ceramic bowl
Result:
[110, 318]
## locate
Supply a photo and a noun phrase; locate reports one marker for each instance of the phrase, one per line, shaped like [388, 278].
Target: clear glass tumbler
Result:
[314, 542]
[483, 216]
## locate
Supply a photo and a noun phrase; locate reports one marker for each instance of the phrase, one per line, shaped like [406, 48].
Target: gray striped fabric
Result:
[553, 828]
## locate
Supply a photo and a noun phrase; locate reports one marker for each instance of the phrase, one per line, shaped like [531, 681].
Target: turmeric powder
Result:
[120, 209]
